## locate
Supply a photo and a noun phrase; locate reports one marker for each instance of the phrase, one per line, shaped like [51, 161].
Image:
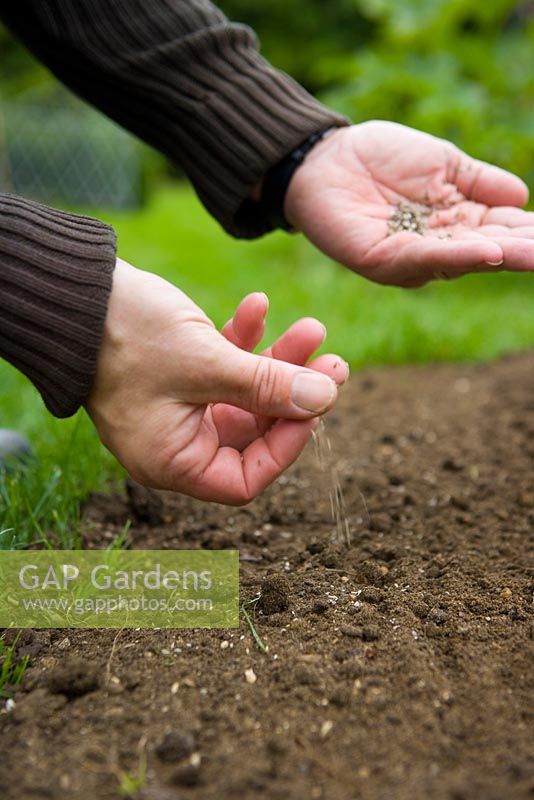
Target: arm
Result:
[192, 84]
[203, 415]
[184, 79]
[56, 273]
[181, 405]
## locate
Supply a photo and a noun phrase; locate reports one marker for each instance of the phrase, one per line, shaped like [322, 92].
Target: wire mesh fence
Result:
[68, 155]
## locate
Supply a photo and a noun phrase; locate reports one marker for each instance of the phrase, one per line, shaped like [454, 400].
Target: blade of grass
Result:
[255, 635]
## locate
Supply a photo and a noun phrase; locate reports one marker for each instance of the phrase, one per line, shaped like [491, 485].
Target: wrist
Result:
[271, 192]
[314, 174]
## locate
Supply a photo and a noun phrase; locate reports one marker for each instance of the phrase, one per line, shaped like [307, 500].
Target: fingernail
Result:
[312, 392]
[495, 263]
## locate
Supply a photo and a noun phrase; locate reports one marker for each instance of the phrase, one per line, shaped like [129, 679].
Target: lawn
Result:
[479, 317]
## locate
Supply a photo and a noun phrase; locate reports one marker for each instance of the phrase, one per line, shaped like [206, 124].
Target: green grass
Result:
[478, 317]
[130, 783]
[11, 670]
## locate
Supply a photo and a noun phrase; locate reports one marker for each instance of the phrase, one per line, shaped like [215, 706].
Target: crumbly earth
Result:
[402, 667]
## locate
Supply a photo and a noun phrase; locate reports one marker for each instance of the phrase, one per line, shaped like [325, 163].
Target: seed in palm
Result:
[407, 218]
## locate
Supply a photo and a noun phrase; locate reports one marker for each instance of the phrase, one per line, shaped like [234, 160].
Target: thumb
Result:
[268, 386]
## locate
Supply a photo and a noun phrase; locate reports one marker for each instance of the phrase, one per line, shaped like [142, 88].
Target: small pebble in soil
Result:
[250, 676]
[175, 746]
[407, 218]
[274, 594]
[326, 728]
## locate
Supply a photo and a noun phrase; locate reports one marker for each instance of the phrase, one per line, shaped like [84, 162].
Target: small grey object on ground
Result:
[13, 447]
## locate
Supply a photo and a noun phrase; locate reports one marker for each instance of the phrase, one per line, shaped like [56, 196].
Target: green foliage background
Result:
[461, 69]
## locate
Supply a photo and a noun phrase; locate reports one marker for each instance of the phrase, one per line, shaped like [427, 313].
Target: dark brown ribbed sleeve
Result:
[184, 79]
[56, 271]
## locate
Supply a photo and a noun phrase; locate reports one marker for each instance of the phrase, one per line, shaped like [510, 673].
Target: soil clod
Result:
[73, 677]
[175, 746]
[274, 594]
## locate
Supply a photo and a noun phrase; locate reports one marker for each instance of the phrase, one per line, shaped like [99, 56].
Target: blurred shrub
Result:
[461, 69]
[306, 38]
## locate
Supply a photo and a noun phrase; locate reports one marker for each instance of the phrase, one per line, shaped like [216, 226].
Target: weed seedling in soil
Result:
[130, 783]
[11, 671]
[255, 635]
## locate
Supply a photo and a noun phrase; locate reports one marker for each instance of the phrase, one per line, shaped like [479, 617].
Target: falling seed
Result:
[175, 687]
[323, 451]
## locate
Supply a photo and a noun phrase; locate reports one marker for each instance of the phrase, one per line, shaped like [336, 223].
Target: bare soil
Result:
[399, 667]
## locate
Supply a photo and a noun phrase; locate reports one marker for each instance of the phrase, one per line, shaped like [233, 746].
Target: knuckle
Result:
[266, 384]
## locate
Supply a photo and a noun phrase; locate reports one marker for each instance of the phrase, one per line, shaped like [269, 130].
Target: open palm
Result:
[403, 207]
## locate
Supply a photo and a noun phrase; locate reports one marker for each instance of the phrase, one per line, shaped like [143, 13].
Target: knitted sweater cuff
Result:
[253, 116]
[56, 272]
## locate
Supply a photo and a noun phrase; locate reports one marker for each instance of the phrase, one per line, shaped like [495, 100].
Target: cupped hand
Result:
[186, 408]
[358, 185]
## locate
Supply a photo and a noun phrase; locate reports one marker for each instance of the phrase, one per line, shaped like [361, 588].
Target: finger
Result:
[510, 217]
[299, 342]
[486, 183]
[259, 384]
[236, 478]
[237, 428]
[247, 326]
[333, 366]
[406, 257]
[518, 253]
[495, 232]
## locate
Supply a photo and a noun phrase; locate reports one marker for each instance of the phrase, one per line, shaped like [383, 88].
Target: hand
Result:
[186, 408]
[350, 186]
